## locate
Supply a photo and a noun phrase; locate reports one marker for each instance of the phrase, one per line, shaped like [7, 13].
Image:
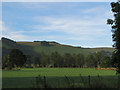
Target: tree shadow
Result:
[63, 82]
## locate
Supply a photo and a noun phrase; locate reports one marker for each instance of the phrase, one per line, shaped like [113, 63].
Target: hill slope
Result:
[30, 48]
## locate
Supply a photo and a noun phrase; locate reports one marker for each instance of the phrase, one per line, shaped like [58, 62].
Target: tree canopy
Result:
[115, 25]
[16, 57]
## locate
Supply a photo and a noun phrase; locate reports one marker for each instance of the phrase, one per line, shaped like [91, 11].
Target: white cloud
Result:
[74, 26]
[9, 33]
[2, 28]
[16, 35]
[93, 10]
[99, 11]
[86, 28]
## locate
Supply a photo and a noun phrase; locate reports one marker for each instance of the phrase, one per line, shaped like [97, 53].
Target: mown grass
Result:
[25, 78]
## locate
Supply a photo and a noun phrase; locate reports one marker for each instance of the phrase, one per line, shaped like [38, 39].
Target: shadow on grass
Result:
[62, 82]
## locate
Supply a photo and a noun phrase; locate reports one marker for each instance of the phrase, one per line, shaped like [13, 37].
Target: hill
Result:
[8, 45]
[30, 48]
[40, 54]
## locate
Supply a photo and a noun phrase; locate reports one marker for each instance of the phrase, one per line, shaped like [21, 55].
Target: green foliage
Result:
[115, 24]
[56, 59]
[68, 60]
[15, 58]
[44, 60]
[106, 62]
[37, 60]
[90, 60]
[45, 43]
[28, 61]
[80, 60]
[98, 57]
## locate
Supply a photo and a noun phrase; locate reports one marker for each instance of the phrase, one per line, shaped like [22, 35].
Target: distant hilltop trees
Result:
[47, 43]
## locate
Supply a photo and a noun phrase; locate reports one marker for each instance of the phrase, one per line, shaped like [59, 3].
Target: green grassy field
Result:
[25, 78]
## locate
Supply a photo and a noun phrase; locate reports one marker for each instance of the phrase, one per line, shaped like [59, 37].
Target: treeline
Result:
[97, 59]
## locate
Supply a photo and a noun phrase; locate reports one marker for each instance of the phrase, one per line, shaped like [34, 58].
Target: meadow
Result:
[56, 77]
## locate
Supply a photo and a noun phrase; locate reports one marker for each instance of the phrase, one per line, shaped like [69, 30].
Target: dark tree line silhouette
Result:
[18, 59]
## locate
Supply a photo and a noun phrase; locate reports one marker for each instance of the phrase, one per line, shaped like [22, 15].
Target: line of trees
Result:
[17, 58]
[70, 60]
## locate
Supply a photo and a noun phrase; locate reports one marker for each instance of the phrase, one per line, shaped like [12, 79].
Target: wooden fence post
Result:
[45, 85]
[89, 80]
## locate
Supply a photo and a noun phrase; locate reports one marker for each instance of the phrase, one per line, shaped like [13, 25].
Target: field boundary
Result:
[106, 69]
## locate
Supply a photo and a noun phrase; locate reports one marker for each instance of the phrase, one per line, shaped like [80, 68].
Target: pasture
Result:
[55, 77]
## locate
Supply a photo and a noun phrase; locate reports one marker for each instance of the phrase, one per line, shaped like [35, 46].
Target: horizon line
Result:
[60, 43]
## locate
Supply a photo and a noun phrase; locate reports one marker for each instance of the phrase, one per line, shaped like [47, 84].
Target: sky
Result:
[72, 23]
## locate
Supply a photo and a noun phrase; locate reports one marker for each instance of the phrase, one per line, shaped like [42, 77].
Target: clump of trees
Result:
[16, 58]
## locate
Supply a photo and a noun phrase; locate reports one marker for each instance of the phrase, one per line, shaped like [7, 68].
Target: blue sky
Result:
[78, 24]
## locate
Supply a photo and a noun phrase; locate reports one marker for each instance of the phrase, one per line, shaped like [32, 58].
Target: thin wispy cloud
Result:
[15, 35]
[94, 10]
[74, 26]
[69, 23]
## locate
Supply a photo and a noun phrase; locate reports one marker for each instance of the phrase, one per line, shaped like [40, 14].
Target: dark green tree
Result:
[68, 60]
[53, 59]
[16, 57]
[80, 60]
[44, 60]
[56, 60]
[115, 24]
[97, 60]
[28, 61]
[36, 59]
[74, 59]
[90, 60]
[105, 62]
[59, 60]
[4, 62]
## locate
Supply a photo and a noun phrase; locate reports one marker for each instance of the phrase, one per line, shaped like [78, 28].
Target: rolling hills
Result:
[30, 48]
